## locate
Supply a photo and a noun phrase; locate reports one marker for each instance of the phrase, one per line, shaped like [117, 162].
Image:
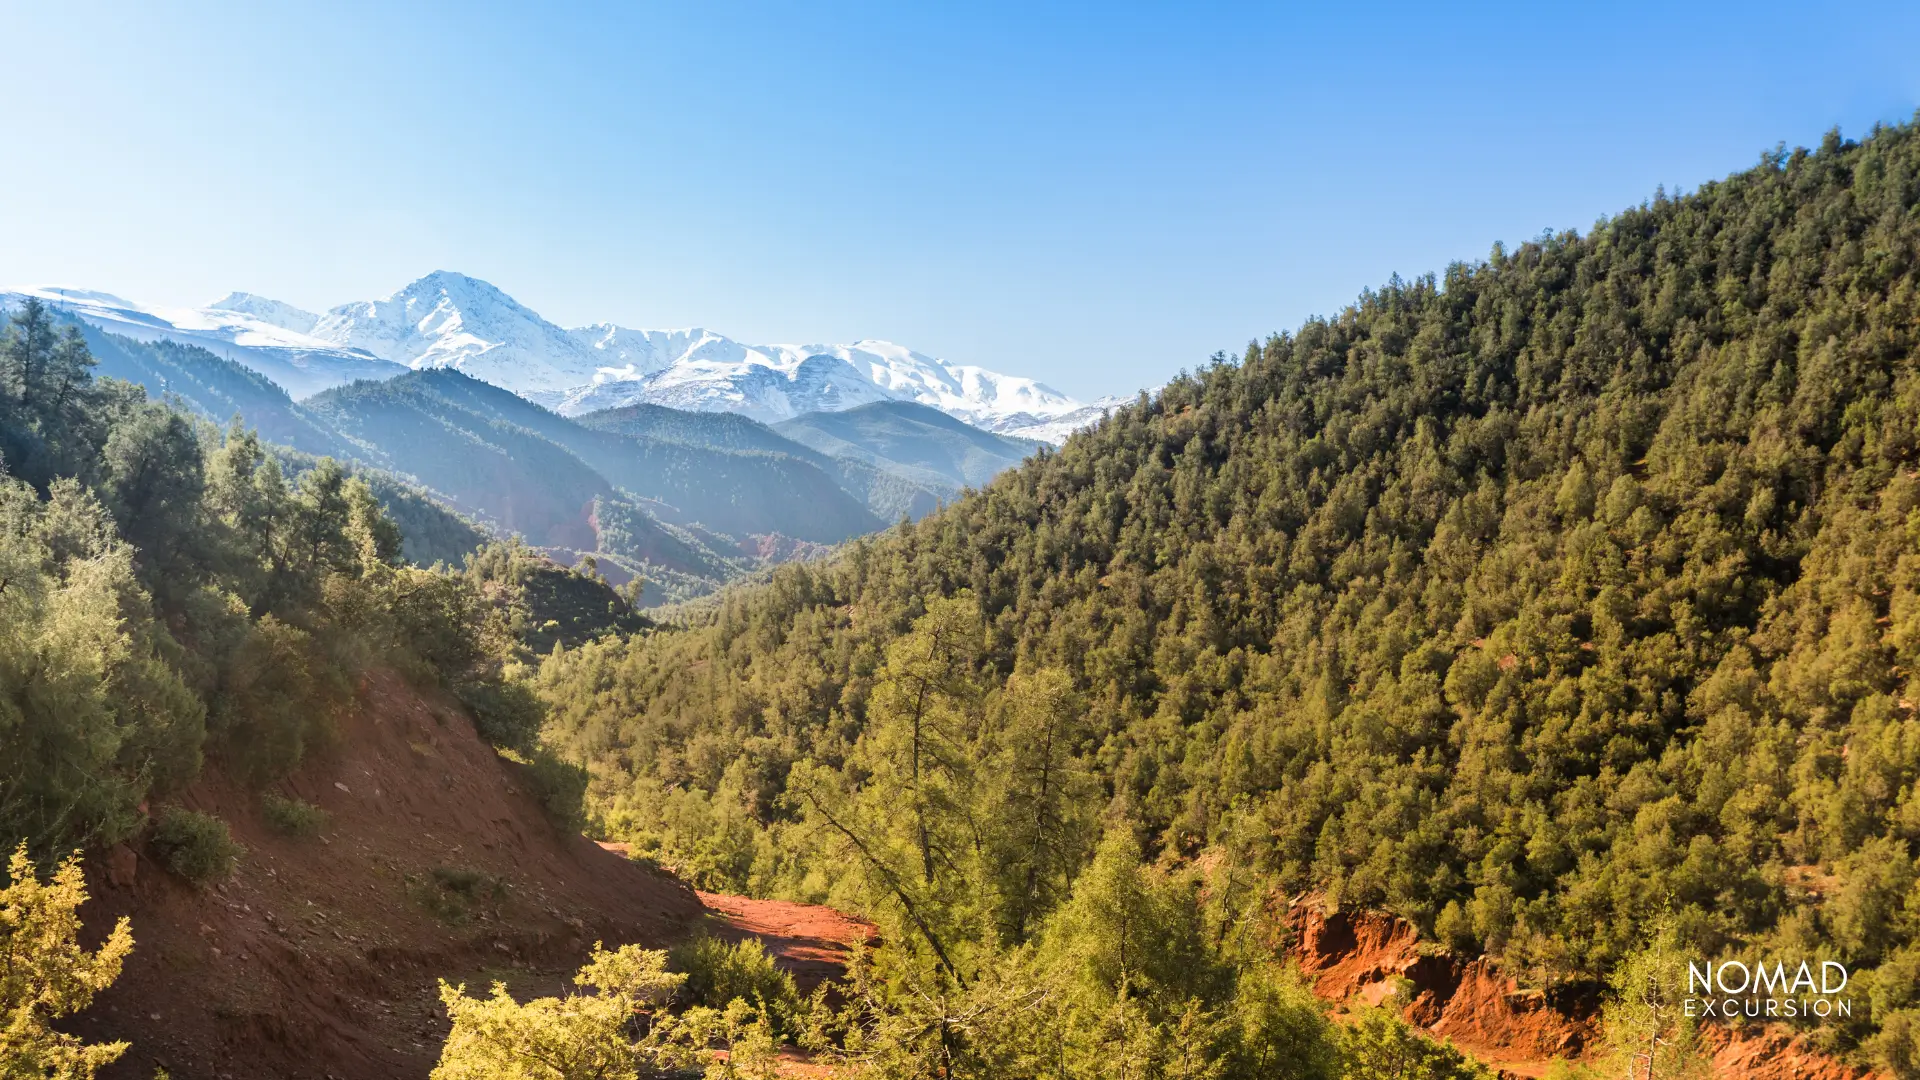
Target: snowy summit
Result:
[448, 319]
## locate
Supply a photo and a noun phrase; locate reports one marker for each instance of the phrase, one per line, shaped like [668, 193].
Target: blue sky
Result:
[1095, 195]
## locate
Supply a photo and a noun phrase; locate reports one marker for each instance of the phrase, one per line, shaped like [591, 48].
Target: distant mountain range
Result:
[450, 320]
[686, 500]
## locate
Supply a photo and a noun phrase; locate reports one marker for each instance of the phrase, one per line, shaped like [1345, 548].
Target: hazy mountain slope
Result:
[501, 471]
[736, 493]
[219, 390]
[300, 364]
[886, 492]
[523, 482]
[720, 431]
[912, 436]
[215, 388]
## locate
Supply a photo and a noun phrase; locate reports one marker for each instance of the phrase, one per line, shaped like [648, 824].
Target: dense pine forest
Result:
[1546, 602]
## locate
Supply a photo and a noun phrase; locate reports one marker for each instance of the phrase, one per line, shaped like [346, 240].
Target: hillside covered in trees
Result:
[1540, 602]
[172, 595]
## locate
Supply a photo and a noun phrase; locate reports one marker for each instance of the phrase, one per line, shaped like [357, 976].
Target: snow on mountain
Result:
[301, 364]
[700, 370]
[446, 319]
[271, 312]
[635, 354]
[1053, 429]
[452, 320]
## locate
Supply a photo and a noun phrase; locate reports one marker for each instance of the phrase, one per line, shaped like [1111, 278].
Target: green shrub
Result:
[292, 817]
[718, 972]
[507, 713]
[195, 846]
[452, 893]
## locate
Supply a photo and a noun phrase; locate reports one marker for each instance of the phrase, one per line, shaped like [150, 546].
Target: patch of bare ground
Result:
[320, 958]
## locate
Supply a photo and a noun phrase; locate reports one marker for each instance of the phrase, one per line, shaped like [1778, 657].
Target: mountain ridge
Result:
[449, 319]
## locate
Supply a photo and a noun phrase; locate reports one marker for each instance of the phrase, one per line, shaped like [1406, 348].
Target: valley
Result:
[1434, 690]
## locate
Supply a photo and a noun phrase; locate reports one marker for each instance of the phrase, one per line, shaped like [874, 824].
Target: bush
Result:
[280, 691]
[718, 972]
[594, 1031]
[506, 712]
[452, 892]
[292, 817]
[196, 846]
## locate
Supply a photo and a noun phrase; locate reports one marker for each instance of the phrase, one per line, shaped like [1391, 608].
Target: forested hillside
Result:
[170, 596]
[1537, 601]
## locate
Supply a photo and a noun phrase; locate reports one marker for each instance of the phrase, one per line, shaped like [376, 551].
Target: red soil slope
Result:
[1357, 956]
[320, 958]
[808, 942]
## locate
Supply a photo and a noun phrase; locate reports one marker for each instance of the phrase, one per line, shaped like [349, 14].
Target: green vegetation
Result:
[717, 973]
[1534, 602]
[616, 1029]
[289, 816]
[553, 604]
[198, 847]
[169, 595]
[47, 975]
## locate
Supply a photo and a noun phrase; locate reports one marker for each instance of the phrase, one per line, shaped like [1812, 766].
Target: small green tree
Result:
[1648, 1034]
[45, 974]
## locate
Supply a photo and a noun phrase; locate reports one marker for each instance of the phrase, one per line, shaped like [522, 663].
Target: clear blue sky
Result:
[1097, 196]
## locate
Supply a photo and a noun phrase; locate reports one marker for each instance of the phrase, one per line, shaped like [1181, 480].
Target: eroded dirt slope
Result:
[1357, 956]
[320, 958]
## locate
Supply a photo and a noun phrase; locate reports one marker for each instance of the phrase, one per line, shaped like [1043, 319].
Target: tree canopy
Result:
[1532, 601]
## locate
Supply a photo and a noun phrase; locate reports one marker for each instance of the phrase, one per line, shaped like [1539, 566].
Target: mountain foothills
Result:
[685, 501]
[1566, 605]
[454, 321]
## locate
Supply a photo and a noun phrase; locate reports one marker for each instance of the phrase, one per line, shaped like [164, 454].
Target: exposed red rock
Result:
[1358, 956]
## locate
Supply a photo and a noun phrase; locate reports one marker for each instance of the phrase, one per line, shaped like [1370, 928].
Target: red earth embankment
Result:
[320, 959]
[1360, 956]
[810, 943]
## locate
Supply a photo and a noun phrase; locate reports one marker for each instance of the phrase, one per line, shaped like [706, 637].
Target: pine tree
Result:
[27, 350]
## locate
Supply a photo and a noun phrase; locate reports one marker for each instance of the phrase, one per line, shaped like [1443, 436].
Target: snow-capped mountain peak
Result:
[449, 319]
